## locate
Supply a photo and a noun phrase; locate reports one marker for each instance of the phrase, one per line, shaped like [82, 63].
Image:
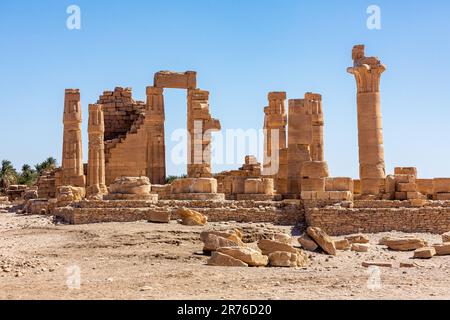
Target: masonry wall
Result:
[341, 221]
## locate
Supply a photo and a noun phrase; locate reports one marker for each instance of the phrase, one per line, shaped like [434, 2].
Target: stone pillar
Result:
[72, 157]
[313, 105]
[96, 165]
[367, 72]
[200, 125]
[299, 140]
[275, 122]
[156, 149]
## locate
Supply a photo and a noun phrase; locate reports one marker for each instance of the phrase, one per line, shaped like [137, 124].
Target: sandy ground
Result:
[163, 261]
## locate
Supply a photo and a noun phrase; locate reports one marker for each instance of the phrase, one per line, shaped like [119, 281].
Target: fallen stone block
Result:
[424, 253]
[368, 264]
[269, 246]
[213, 242]
[343, 244]
[249, 256]
[404, 244]
[222, 260]
[323, 240]
[360, 247]
[159, 217]
[191, 218]
[357, 238]
[442, 249]
[307, 243]
[287, 259]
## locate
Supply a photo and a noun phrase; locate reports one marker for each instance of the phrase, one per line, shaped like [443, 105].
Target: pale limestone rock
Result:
[360, 247]
[249, 256]
[70, 194]
[160, 217]
[357, 238]
[404, 244]
[424, 253]
[287, 259]
[213, 242]
[191, 218]
[343, 244]
[307, 243]
[223, 260]
[323, 240]
[269, 246]
[283, 238]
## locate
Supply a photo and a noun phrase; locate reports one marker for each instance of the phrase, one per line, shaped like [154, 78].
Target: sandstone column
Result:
[275, 122]
[156, 148]
[72, 157]
[200, 125]
[367, 72]
[96, 164]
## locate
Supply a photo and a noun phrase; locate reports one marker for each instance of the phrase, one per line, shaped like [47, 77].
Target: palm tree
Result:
[28, 175]
[8, 175]
[48, 164]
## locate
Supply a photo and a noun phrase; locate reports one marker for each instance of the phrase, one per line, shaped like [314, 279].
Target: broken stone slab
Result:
[357, 238]
[191, 218]
[269, 246]
[343, 244]
[442, 249]
[159, 217]
[224, 234]
[307, 243]
[360, 247]
[408, 265]
[323, 240]
[283, 238]
[403, 244]
[368, 264]
[249, 256]
[223, 260]
[284, 259]
[424, 253]
[213, 242]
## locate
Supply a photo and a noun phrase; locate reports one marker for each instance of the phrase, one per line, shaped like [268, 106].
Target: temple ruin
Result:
[125, 177]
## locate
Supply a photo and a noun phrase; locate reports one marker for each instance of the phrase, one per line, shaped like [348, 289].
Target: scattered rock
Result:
[283, 238]
[284, 259]
[343, 244]
[424, 253]
[368, 264]
[146, 288]
[408, 265]
[403, 244]
[307, 243]
[357, 238]
[269, 246]
[191, 218]
[223, 260]
[249, 256]
[360, 247]
[214, 242]
[323, 240]
[442, 249]
[160, 217]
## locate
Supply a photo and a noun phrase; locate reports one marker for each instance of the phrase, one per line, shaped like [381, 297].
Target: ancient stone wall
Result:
[380, 216]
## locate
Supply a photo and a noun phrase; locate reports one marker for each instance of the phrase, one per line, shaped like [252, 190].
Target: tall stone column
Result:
[72, 157]
[200, 125]
[96, 165]
[275, 122]
[367, 72]
[313, 105]
[156, 148]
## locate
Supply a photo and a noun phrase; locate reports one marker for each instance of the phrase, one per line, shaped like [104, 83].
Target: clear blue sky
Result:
[241, 50]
